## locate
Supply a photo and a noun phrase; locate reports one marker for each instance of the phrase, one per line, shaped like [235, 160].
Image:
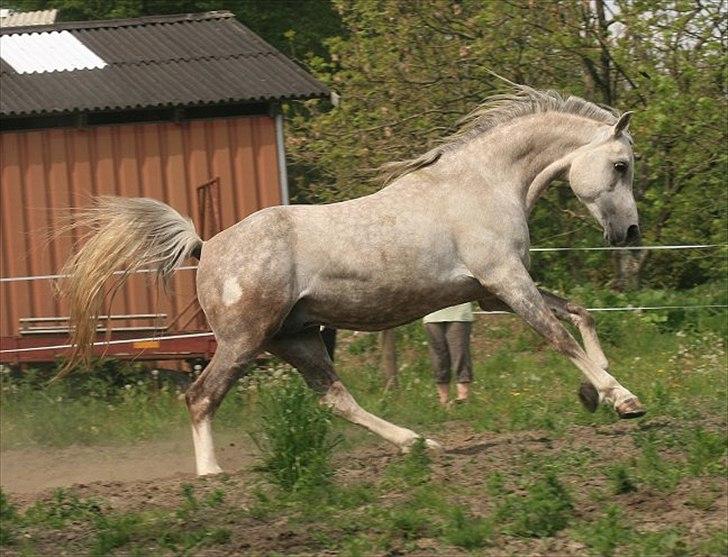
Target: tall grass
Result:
[296, 441]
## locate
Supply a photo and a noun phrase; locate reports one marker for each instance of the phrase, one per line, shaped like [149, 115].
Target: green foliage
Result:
[667, 543]
[114, 531]
[621, 479]
[422, 503]
[495, 484]
[63, 507]
[653, 468]
[408, 522]
[362, 344]
[717, 544]
[297, 441]
[8, 517]
[412, 469]
[91, 409]
[467, 531]
[606, 533]
[541, 513]
[706, 451]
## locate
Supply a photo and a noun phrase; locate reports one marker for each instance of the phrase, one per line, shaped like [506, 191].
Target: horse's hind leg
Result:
[206, 393]
[582, 319]
[306, 352]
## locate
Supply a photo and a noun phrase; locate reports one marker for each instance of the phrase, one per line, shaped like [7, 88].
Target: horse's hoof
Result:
[210, 471]
[631, 408]
[589, 396]
[433, 445]
[429, 444]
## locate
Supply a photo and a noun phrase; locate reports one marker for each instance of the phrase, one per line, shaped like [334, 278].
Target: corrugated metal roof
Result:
[186, 60]
[9, 18]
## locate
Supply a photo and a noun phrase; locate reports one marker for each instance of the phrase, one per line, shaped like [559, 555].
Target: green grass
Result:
[105, 531]
[544, 510]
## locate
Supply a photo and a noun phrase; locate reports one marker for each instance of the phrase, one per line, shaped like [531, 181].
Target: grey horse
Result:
[450, 226]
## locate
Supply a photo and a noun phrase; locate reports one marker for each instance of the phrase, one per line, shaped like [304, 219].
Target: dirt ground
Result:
[33, 471]
[151, 475]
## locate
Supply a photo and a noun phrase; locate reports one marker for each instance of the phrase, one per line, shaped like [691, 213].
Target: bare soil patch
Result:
[32, 471]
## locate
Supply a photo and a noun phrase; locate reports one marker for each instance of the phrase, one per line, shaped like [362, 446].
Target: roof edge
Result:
[115, 23]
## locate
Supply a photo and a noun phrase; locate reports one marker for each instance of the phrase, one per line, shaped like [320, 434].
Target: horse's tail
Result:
[122, 234]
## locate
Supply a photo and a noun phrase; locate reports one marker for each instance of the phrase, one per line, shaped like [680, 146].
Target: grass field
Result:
[526, 470]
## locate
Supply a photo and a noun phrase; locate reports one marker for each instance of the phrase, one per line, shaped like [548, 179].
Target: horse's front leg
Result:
[582, 320]
[512, 284]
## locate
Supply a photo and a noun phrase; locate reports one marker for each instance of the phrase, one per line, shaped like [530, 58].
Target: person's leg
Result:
[440, 358]
[458, 342]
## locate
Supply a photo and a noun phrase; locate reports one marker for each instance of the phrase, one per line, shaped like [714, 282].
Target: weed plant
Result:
[621, 479]
[297, 440]
[605, 534]
[466, 531]
[543, 511]
[106, 532]
[8, 518]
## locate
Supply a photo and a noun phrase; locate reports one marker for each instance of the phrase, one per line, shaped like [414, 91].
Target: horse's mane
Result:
[494, 111]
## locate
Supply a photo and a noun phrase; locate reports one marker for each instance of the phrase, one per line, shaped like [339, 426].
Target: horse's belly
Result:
[365, 306]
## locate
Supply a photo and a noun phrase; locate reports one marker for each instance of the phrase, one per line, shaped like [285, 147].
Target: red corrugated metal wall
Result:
[42, 172]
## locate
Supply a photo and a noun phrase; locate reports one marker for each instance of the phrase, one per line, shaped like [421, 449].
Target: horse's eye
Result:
[620, 166]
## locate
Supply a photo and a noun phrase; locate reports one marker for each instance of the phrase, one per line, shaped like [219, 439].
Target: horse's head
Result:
[601, 176]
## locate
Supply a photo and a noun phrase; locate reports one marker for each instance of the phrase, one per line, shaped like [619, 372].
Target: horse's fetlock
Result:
[198, 406]
[580, 316]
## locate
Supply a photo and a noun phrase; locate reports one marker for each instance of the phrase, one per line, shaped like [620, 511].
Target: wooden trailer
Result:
[184, 109]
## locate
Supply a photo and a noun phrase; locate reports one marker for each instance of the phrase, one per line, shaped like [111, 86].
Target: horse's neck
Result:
[529, 153]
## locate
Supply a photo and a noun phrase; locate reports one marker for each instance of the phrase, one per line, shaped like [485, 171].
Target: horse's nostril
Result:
[633, 234]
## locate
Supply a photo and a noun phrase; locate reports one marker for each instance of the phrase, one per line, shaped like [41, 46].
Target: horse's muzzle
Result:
[629, 237]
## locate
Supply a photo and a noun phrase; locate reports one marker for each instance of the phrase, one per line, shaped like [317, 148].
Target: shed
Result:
[181, 108]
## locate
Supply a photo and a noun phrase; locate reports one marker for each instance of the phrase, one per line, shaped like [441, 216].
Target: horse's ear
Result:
[623, 123]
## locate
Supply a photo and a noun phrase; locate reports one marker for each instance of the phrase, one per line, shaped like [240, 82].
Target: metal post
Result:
[281, 150]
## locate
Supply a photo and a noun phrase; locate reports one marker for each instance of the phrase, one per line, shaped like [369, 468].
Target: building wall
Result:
[43, 172]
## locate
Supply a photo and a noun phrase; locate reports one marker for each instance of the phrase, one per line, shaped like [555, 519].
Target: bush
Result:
[297, 442]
